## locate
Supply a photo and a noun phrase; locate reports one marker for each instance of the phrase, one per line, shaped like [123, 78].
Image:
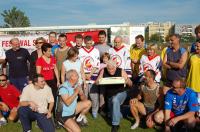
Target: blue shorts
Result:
[5, 114]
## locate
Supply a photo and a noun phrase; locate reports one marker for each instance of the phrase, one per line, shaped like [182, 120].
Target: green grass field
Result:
[95, 125]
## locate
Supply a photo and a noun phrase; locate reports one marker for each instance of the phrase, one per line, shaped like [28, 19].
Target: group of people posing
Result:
[62, 82]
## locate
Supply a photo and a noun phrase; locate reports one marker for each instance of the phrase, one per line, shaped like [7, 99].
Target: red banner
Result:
[71, 36]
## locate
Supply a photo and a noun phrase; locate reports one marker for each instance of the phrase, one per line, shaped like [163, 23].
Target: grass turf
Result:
[94, 125]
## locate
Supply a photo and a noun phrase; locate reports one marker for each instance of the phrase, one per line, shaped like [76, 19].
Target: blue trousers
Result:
[114, 105]
[26, 116]
[19, 83]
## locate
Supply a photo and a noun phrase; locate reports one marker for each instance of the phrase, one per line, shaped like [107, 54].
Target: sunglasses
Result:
[40, 42]
[2, 80]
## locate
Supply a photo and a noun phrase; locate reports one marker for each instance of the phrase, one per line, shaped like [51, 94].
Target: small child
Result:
[104, 59]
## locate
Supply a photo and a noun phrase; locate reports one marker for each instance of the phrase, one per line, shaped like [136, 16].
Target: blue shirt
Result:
[193, 48]
[179, 105]
[172, 56]
[18, 60]
[68, 110]
[53, 48]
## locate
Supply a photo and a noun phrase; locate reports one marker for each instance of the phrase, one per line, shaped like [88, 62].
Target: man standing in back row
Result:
[102, 45]
[17, 59]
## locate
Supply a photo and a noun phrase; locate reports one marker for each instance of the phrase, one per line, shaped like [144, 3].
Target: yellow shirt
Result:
[193, 79]
[136, 53]
[163, 53]
[163, 68]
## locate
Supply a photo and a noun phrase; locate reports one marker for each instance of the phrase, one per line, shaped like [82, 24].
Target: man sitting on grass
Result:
[149, 92]
[9, 96]
[115, 95]
[69, 92]
[180, 107]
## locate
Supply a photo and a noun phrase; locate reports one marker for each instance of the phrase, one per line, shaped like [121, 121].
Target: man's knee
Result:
[23, 110]
[115, 100]
[78, 129]
[190, 122]
[133, 104]
[87, 103]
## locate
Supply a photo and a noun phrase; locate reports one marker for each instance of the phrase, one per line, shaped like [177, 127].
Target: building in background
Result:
[161, 29]
[185, 29]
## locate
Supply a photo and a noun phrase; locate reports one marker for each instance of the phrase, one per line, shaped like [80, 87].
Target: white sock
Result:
[84, 119]
[80, 117]
[83, 116]
[135, 126]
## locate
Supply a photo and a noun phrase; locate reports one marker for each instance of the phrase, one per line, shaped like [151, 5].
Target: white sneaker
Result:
[134, 126]
[85, 119]
[3, 122]
[79, 118]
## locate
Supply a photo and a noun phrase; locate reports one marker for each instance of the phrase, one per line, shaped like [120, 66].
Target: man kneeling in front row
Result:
[9, 102]
[180, 107]
[69, 92]
[34, 101]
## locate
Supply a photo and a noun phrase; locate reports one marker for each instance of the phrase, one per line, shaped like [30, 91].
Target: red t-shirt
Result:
[10, 95]
[47, 69]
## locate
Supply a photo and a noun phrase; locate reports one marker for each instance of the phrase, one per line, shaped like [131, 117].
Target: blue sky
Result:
[81, 12]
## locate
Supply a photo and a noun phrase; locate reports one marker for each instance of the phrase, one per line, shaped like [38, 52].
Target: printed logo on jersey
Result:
[117, 59]
[88, 63]
[147, 66]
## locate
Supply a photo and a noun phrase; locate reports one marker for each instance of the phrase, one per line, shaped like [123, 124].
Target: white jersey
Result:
[153, 63]
[122, 57]
[90, 59]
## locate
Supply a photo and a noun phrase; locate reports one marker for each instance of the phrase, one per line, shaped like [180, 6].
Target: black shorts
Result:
[149, 110]
[65, 118]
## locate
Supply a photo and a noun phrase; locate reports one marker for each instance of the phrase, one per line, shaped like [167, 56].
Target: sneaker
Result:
[115, 128]
[94, 115]
[57, 125]
[61, 124]
[3, 122]
[85, 120]
[82, 124]
[134, 126]
[79, 118]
